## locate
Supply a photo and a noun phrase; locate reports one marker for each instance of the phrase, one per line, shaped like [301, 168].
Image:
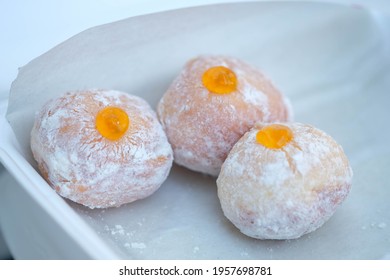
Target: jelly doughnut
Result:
[211, 104]
[101, 148]
[281, 181]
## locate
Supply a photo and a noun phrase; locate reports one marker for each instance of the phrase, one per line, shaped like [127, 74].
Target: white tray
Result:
[332, 61]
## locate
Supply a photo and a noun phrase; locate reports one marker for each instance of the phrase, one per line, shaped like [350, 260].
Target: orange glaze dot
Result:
[220, 80]
[274, 136]
[112, 122]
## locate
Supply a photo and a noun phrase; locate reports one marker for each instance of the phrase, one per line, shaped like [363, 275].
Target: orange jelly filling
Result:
[112, 122]
[274, 136]
[220, 80]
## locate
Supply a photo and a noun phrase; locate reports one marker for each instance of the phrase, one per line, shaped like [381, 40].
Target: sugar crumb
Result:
[244, 254]
[138, 245]
[382, 225]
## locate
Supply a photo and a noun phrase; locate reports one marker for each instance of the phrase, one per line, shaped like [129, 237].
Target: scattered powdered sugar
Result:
[244, 254]
[119, 230]
[134, 245]
[125, 237]
[254, 96]
[382, 225]
[116, 230]
[284, 171]
[138, 245]
[374, 225]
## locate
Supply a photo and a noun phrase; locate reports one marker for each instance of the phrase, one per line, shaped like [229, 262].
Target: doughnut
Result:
[283, 180]
[211, 104]
[100, 148]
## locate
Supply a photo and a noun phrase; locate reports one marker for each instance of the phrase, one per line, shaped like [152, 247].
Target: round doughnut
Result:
[101, 148]
[211, 104]
[281, 181]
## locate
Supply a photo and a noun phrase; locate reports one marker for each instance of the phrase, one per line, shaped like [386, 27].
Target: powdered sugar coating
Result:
[284, 193]
[201, 126]
[83, 166]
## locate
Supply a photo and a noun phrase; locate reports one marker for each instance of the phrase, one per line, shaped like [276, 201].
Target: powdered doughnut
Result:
[211, 104]
[281, 181]
[101, 148]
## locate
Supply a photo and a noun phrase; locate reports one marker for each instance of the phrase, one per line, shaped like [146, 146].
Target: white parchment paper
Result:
[332, 61]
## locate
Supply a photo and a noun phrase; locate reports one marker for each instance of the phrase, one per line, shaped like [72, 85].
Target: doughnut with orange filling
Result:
[211, 104]
[101, 148]
[281, 181]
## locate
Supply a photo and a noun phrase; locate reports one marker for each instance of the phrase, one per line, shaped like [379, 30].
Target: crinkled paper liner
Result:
[332, 61]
